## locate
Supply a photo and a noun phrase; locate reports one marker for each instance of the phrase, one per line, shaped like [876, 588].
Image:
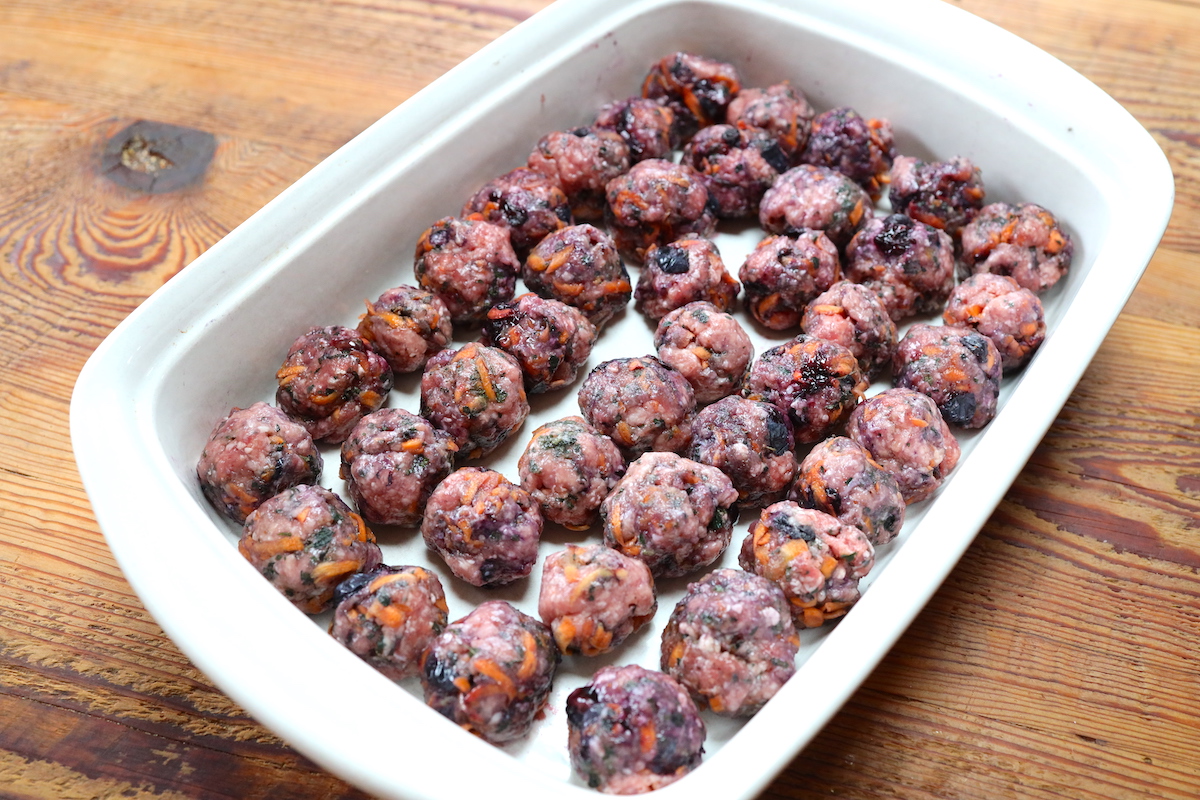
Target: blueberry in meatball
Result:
[783, 273]
[861, 149]
[526, 202]
[909, 264]
[957, 367]
[781, 110]
[737, 164]
[751, 442]
[697, 88]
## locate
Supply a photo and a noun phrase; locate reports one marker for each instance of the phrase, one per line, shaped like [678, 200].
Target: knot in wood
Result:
[155, 157]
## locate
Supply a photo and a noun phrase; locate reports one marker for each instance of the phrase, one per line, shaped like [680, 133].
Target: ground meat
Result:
[526, 202]
[469, 264]
[388, 616]
[752, 443]
[815, 382]
[641, 403]
[817, 198]
[957, 367]
[305, 541]
[737, 164]
[646, 126]
[697, 88]
[861, 149]
[391, 462]
[486, 529]
[594, 597]
[944, 194]
[581, 162]
[252, 455]
[1008, 314]
[905, 433]
[330, 380]
[781, 110]
[491, 671]
[657, 202]
[855, 317]
[406, 325]
[707, 346]
[673, 513]
[839, 477]
[580, 266]
[685, 271]
[569, 469]
[1024, 242]
[633, 730]
[476, 394]
[815, 559]
[731, 642]
[783, 273]
[907, 263]
[550, 340]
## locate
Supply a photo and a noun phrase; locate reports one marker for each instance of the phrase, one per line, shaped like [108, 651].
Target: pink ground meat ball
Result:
[580, 266]
[781, 110]
[252, 455]
[1008, 314]
[470, 264]
[783, 273]
[672, 513]
[477, 395]
[549, 340]
[905, 433]
[731, 642]
[816, 198]
[707, 346]
[305, 541]
[391, 462]
[1025, 242]
[388, 616]
[526, 202]
[957, 367]
[569, 468]
[907, 263]
[644, 125]
[944, 194]
[839, 477]
[594, 597]
[855, 317]
[697, 88]
[681, 272]
[655, 203]
[486, 529]
[581, 162]
[814, 558]
[330, 380]
[406, 325]
[749, 441]
[861, 149]
[640, 403]
[737, 164]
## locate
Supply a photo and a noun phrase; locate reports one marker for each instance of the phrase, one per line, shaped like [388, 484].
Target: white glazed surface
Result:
[214, 336]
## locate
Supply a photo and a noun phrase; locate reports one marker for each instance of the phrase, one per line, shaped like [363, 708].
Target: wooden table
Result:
[1058, 660]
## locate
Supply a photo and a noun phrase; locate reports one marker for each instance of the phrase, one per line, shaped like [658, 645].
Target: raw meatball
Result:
[673, 513]
[486, 529]
[905, 433]
[549, 340]
[682, 272]
[855, 317]
[581, 162]
[731, 642]
[633, 730]
[907, 263]
[957, 367]
[641, 403]
[861, 149]
[839, 477]
[781, 110]
[569, 469]
[476, 394]
[738, 165]
[252, 455]
[817, 198]
[657, 202]
[1024, 242]
[580, 266]
[391, 462]
[491, 671]
[330, 380]
[305, 541]
[815, 382]
[944, 194]
[814, 558]
[469, 264]
[646, 127]
[1008, 314]
[388, 616]
[406, 325]
[751, 442]
[706, 346]
[593, 598]
[783, 273]
[697, 88]
[526, 202]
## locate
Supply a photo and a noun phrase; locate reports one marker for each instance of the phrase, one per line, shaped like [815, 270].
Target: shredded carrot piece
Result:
[589, 579]
[492, 670]
[625, 432]
[812, 618]
[485, 379]
[364, 533]
[332, 569]
[392, 616]
[918, 422]
[462, 684]
[302, 514]
[558, 260]
[716, 705]
[564, 633]
[288, 544]
[828, 566]
[414, 445]
[647, 737]
[676, 654]
[325, 399]
[286, 375]
[529, 662]
[600, 640]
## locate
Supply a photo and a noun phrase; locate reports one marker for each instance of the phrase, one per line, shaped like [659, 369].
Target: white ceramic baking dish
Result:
[213, 337]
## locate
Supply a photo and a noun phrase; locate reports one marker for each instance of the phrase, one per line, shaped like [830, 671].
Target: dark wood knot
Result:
[155, 157]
